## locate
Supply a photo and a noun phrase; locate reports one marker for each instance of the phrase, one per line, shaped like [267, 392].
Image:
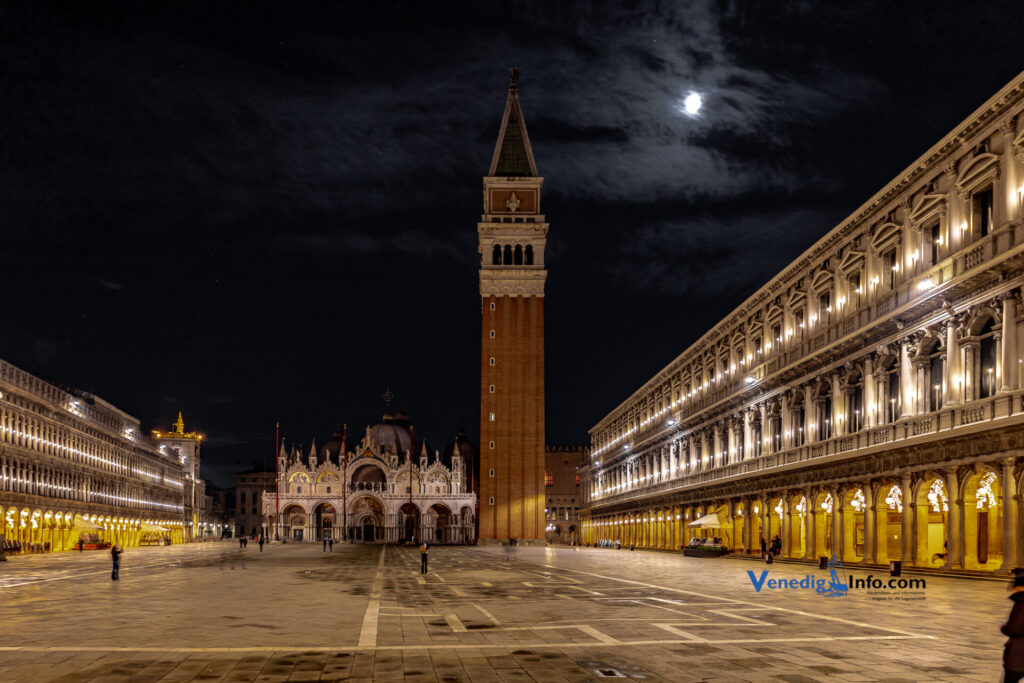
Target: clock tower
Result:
[512, 235]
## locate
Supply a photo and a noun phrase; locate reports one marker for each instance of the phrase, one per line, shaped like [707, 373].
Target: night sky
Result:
[255, 213]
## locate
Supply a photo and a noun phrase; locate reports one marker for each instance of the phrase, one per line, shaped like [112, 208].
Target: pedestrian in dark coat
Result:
[325, 545]
[262, 541]
[115, 557]
[764, 547]
[1013, 651]
[423, 558]
[330, 544]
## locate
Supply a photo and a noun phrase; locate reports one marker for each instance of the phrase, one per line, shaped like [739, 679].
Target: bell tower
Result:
[512, 235]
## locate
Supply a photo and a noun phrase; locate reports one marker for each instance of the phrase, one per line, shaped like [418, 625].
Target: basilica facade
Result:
[867, 402]
[389, 488]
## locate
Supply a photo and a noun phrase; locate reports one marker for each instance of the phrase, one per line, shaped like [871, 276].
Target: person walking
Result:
[423, 558]
[325, 544]
[261, 542]
[330, 544]
[1013, 650]
[115, 557]
[764, 547]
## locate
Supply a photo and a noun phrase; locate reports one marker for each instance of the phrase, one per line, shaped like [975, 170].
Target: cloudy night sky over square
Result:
[258, 213]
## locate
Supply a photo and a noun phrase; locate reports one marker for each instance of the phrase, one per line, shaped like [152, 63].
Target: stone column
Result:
[867, 420]
[1008, 371]
[952, 374]
[955, 522]
[838, 512]
[787, 530]
[908, 530]
[906, 380]
[810, 527]
[765, 519]
[1010, 515]
[746, 434]
[747, 519]
[871, 525]
[969, 380]
[764, 429]
[838, 406]
[809, 408]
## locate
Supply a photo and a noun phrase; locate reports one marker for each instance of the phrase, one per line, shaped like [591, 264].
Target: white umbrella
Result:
[706, 522]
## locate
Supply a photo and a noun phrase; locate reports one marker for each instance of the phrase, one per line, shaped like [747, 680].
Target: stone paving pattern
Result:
[294, 613]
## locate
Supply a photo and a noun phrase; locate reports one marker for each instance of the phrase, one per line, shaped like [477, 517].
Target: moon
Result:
[692, 104]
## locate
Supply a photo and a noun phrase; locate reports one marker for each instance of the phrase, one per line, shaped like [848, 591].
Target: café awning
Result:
[82, 523]
[146, 526]
[706, 522]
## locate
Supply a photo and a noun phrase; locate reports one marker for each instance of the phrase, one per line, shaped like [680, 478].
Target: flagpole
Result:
[277, 481]
[344, 483]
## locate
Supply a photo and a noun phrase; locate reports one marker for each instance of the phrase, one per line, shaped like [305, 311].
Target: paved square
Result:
[294, 613]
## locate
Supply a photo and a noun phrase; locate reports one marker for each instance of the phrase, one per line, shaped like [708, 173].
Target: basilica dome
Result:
[391, 435]
[333, 447]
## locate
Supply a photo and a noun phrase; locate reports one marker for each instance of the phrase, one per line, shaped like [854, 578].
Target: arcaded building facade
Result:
[866, 402]
[75, 468]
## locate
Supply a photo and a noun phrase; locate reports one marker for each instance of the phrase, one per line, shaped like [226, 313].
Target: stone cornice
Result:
[512, 282]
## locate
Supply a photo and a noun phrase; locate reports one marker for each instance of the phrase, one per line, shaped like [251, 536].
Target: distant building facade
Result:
[388, 489]
[512, 236]
[563, 493]
[251, 489]
[75, 468]
[867, 402]
[186, 447]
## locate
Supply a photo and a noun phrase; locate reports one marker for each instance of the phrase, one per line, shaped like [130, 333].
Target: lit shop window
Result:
[492, 417]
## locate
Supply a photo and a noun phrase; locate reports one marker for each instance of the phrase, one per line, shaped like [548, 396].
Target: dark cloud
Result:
[276, 204]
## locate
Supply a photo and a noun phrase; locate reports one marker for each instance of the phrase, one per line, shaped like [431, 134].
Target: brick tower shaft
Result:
[512, 236]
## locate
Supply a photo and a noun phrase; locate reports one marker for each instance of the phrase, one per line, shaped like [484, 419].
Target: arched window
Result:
[775, 428]
[529, 254]
[798, 421]
[935, 378]
[987, 358]
[508, 255]
[518, 258]
[894, 403]
[496, 258]
[823, 408]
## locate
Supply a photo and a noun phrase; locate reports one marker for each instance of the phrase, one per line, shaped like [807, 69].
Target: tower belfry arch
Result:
[512, 235]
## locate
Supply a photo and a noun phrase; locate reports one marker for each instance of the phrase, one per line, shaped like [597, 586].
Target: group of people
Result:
[243, 542]
[328, 543]
[769, 549]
